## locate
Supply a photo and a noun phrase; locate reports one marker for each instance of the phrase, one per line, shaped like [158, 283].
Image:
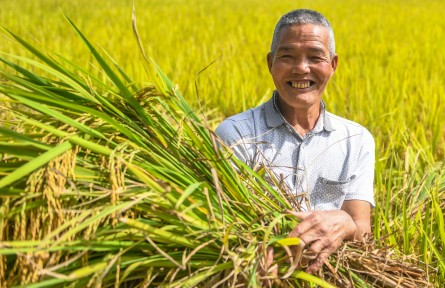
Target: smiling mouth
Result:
[301, 84]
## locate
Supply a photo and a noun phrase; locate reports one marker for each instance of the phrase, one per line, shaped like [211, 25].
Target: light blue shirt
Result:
[332, 163]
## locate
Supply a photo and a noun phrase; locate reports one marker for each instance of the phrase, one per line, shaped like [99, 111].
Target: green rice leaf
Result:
[34, 164]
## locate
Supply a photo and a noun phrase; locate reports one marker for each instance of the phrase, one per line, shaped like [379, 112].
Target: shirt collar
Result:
[326, 118]
[272, 113]
[275, 119]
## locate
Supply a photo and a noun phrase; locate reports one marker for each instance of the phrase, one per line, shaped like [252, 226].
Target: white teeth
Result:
[300, 85]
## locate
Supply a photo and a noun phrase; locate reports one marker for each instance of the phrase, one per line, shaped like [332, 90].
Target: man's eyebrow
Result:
[317, 50]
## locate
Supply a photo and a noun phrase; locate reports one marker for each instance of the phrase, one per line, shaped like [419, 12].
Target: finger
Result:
[264, 259]
[269, 257]
[306, 227]
[318, 263]
[320, 245]
[273, 270]
[299, 215]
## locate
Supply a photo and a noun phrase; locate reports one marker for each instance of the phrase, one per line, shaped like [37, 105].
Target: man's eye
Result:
[317, 58]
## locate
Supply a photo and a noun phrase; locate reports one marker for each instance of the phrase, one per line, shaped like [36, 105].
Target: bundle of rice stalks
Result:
[106, 183]
[376, 267]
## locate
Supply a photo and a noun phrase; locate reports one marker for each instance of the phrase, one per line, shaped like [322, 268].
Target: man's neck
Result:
[302, 120]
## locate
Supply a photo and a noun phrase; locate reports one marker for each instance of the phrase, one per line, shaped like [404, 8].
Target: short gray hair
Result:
[303, 16]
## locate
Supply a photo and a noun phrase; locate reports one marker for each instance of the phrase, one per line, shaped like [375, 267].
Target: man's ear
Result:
[334, 62]
[269, 60]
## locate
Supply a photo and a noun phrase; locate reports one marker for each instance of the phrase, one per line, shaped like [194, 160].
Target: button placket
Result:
[300, 172]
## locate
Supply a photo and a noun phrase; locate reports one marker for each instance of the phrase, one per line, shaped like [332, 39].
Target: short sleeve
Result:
[231, 134]
[361, 186]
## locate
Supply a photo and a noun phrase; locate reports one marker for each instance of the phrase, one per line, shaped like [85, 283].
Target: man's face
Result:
[301, 65]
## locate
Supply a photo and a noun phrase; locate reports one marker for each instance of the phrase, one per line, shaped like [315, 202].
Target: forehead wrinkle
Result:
[290, 47]
[302, 34]
[285, 48]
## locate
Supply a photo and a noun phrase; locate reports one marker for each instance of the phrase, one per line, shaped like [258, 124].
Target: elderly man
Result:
[316, 155]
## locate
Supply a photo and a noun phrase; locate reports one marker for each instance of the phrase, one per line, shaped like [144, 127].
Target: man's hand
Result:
[324, 231]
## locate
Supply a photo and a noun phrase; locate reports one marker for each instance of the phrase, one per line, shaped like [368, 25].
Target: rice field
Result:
[390, 79]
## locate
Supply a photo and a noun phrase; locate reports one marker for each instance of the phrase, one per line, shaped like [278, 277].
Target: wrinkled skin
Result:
[301, 58]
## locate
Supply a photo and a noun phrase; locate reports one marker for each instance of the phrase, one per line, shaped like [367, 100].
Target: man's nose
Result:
[300, 66]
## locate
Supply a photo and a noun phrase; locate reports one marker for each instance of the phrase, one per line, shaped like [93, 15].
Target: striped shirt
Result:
[332, 163]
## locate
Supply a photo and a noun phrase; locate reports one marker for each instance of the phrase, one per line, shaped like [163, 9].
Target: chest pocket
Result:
[328, 194]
